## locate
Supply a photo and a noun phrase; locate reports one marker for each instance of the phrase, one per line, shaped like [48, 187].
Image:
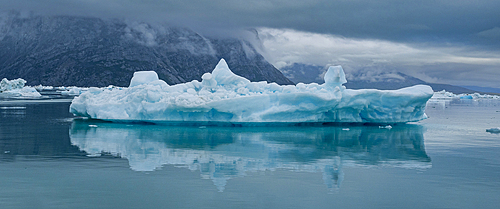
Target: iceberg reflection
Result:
[222, 153]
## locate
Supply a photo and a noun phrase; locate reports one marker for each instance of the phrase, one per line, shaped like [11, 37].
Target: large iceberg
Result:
[16, 88]
[223, 97]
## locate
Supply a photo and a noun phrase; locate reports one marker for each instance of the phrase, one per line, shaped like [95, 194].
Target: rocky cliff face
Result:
[82, 51]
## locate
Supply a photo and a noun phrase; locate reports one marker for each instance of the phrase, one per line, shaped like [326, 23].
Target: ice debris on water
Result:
[444, 95]
[223, 96]
[12, 108]
[71, 90]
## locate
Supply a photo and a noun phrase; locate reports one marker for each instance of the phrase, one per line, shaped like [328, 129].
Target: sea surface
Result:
[50, 159]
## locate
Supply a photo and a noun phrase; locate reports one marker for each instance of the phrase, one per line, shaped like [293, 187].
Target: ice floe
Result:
[493, 130]
[16, 88]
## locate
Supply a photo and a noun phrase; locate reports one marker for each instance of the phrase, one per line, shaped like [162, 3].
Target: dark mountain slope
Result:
[64, 51]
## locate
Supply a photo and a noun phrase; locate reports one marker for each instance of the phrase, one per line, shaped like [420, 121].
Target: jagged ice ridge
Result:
[225, 97]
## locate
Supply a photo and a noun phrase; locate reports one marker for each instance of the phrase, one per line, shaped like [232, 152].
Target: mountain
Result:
[304, 73]
[364, 79]
[452, 88]
[84, 51]
[484, 89]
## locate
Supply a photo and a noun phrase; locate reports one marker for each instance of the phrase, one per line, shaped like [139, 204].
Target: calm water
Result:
[48, 159]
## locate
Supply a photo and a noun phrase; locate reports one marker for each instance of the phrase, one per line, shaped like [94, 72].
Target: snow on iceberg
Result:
[224, 97]
[16, 88]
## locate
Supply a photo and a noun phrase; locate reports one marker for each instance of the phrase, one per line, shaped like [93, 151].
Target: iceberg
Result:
[223, 97]
[493, 130]
[444, 95]
[16, 88]
[66, 90]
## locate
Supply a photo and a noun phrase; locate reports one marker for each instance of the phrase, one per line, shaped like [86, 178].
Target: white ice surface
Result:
[16, 88]
[223, 96]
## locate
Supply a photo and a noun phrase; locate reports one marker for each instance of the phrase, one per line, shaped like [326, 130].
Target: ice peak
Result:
[222, 65]
[224, 76]
[335, 76]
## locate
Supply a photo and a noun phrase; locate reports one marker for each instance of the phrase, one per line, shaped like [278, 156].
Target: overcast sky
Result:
[447, 41]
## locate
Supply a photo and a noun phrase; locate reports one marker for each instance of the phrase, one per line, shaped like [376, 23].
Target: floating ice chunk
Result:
[16, 88]
[75, 91]
[225, 97]
[493, 130]
[12, 108]
[386, 127]
[72, 91]
[44, 88]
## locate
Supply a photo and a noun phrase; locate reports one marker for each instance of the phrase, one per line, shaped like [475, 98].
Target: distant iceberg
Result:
[493, 130]
[68, 90]
[16, 88]
[444, 95]
[223, 97]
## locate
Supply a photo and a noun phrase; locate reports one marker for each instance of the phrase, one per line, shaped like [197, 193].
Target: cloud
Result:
[452, 64]
[439, 22]
[141, 33]
[408, 36]
[491, 33]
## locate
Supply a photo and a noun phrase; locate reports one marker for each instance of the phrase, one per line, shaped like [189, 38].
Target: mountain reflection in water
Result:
[222, 153]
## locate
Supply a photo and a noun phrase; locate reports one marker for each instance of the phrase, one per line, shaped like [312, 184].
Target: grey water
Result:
[49, 159]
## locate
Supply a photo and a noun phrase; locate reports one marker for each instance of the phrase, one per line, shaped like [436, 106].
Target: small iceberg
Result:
[223, 97]
[16, 88]
[493, 130]
[386, 127]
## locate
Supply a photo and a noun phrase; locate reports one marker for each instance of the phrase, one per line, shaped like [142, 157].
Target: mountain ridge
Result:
[365, 79]
[87, 51]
